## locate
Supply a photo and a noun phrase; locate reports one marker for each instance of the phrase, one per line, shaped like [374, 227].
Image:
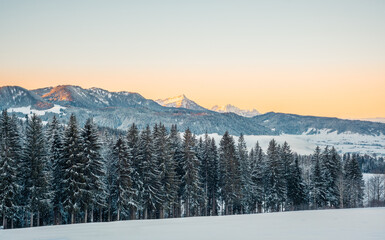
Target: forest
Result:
[62, 173]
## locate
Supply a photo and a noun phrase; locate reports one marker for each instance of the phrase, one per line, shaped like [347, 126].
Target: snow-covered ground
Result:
[352, 224]
[305, 144]
[29, 111]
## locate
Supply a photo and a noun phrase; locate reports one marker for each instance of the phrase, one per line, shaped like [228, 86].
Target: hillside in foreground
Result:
[352, 224]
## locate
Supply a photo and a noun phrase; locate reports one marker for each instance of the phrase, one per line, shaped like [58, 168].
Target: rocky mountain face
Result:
[120, 109]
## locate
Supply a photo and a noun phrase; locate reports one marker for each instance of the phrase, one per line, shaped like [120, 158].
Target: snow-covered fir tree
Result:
[35, 175]
[10, 179]
[123, 192]
[191, 186]
[73, 178]
[93, 172]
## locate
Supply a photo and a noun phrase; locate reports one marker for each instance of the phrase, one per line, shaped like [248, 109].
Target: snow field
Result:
[352, 224]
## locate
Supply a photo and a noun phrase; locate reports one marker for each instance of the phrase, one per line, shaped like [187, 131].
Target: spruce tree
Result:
[73, 178]
[136, 175]
[247, 203]
[295, 187]
[55, 148]
[94, 194]
[212, 178]
[276, 182]
[177, 159]
[258, 178]
[191, 186]
[229, 174]
[36, 186]
[122, 190]
[10, 153]
[319, 186]
[151, 195]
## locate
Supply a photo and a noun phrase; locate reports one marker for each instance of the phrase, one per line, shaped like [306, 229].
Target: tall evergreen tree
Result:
[229, 169]
[123, 191]
[353, 183]
[73, 179]
[247, 202]
[10, 153]
[258, 174]
[55, 148]
[94, 194]
[177, 158]
[318, 189]
[276, 185]
[212, 178]
[137, 181]
[36, 176]
[151, 195]
[191, 187]
[295, 187]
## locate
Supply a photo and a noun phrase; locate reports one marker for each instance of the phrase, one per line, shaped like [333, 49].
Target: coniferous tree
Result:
[191, 187]
[276, 182]
[137, 181]
[212, 178]
[36, 178]
[151, 195]
[10, 179]
[93, 171]
[229, 169]
[318, 189]
[258, 174]
[332, 172]
[55, 148]
[354, 184]
[122, 190]
[177, 158]
[245, 171]
[73, 179]
[295, 187]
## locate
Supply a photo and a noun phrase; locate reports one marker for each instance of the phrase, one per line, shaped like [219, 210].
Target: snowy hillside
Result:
[233, 109]
[305, 144]
[352, 224]
[180, 102]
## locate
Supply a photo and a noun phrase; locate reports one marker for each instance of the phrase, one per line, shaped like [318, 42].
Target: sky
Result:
[323, 58]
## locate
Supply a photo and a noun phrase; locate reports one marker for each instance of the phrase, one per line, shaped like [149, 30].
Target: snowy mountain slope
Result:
[283, 123]
[121, 109]
[233, 109]
[352, 224]
[180, 102]
[305, 144]
[67, 95]
[14, 96]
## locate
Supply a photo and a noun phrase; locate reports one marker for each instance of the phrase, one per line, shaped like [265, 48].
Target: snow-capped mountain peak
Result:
[180, 101]
[233, 109]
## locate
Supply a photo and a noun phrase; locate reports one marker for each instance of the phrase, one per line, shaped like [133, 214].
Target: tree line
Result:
[63, 173]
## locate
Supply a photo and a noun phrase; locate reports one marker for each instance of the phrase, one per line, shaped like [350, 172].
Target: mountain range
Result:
[120, 109]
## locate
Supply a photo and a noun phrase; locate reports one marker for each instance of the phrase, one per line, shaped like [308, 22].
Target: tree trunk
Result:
[11, 223]
[133, 213]
[118, 217]
[92, 214]
[145, 213]
[85, 214]
[38, 218]
[31, 220]
[72, 217]
[4, 221]
[100, 214]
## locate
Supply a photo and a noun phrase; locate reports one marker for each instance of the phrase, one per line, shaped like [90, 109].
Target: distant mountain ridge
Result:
[180, 102]
[231, 108]
[120, 109]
